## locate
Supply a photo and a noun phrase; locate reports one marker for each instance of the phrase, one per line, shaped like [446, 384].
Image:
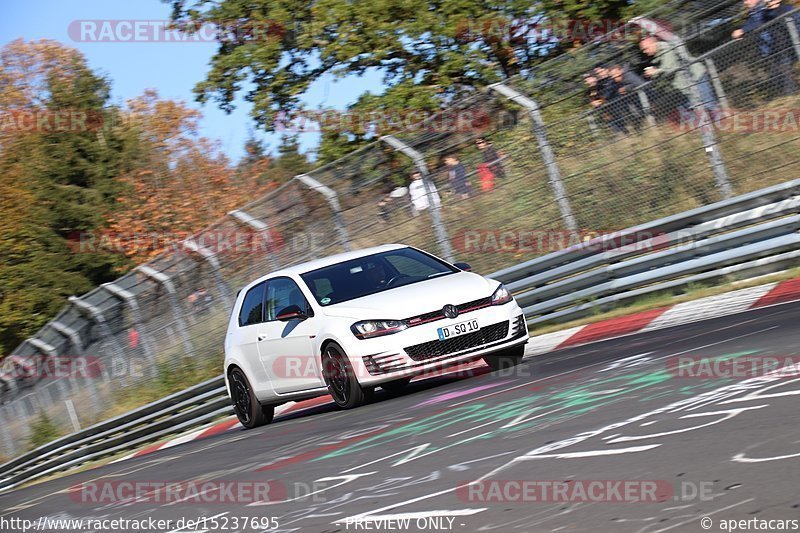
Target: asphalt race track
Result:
[462, 454]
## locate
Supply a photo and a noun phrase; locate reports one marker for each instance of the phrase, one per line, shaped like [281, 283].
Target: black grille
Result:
[519, 329]
[438, 315]
[485, 335]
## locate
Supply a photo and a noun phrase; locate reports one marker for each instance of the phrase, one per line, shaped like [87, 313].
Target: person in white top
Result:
[419, 194]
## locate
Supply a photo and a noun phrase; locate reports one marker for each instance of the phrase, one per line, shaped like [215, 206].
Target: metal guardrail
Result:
[751, 234]
[748, 235]
[178, 412]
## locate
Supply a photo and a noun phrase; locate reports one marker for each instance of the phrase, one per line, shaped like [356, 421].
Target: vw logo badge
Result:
[450, 311]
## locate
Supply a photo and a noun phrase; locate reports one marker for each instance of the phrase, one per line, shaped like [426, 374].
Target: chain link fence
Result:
[590, 142]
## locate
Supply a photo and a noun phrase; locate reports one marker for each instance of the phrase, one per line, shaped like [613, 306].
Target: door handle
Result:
[261, 338]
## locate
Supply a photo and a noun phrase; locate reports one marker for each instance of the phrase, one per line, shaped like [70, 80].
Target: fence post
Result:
[10, 446]
[705, 125]
[260, 227]
[210, 257]
[166, 282]
[48, 352]
[442, 238]
[97, 315]
[548, 156]
[717, 82]
[333, 200]
[130, 300]
[793, 33]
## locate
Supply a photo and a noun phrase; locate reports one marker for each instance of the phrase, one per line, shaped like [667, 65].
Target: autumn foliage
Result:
[140, 169]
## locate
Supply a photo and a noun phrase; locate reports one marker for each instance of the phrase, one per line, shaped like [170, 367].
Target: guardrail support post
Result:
[548, 156]
[130, 299]
[165, 281]
[443, 240]
[261, 228]
[333, 200]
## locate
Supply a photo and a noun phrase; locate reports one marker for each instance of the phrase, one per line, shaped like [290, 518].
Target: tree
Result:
[182, 183]
[54, 184]
[447, 48]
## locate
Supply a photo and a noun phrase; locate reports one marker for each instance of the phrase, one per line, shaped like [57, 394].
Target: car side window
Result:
[252, 311]
[282, 293]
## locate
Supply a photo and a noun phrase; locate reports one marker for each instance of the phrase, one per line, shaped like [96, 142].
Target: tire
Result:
[508, 358]
[249, 411]
[341, 379]
[395, 387]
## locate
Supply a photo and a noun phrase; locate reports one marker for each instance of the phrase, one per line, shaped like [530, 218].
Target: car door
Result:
[286, 348]
[251, 323]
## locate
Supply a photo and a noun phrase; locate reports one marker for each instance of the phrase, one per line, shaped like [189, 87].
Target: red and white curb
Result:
[684, 313]
[666, 317]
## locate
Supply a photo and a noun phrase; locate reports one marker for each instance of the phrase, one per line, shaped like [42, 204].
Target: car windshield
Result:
[372, 274]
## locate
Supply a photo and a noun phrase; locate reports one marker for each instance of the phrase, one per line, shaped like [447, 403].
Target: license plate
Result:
[455, 330]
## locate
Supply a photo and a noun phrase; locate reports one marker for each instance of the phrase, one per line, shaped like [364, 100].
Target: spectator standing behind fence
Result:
[419, 194]
[667, 61]
[627, 83]
[491, 157]
[773, 44]
[611, 91]
[457, 176]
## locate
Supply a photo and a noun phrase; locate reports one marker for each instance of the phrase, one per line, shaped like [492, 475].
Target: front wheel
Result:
[341, 379]
[508, 358]
[249, 411]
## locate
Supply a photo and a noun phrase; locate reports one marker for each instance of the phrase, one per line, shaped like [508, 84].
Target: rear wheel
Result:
[508, 358]
[341, 379]
[249, 411]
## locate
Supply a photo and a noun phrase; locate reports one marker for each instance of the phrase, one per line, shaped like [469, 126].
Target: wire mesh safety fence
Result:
[668, 113]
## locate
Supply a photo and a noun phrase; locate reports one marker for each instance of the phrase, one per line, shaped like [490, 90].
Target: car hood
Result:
[417, 298]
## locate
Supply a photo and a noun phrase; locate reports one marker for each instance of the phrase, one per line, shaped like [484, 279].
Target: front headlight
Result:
[501, 296]
[367, 329]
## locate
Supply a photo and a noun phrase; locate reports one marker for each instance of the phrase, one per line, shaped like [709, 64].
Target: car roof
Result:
[308, 266]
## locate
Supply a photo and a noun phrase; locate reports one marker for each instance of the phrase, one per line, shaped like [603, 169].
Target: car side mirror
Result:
[291, 312]
[463, 266]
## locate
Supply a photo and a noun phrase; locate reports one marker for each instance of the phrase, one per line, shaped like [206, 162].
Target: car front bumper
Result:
[418, 349]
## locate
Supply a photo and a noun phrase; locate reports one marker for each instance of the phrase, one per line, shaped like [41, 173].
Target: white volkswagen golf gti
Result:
[350, 322]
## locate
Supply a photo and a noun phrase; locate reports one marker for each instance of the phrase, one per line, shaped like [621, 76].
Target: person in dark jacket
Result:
[773, 42]
[457, 176]
[628, 82]
[491, 157]
[609, 91]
